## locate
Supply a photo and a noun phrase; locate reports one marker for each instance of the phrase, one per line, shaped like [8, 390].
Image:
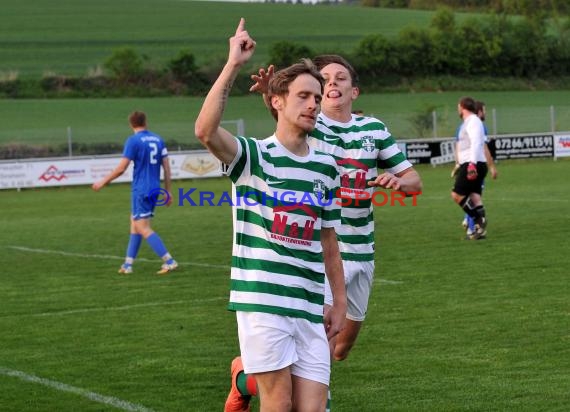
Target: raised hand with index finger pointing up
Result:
[242, 45]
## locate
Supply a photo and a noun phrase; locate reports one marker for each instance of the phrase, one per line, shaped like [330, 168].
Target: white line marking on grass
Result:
[545, 199]
[107, 400]
[85, 255]
[112, 308]
[389, 282]
[126, 307]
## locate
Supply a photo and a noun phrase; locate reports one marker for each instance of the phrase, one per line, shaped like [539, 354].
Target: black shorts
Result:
[465, 187]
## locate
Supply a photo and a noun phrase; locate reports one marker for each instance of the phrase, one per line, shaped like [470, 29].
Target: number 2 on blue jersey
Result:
[153, 152]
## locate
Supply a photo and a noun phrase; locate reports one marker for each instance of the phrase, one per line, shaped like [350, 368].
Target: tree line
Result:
[522, 7]
[495, 45]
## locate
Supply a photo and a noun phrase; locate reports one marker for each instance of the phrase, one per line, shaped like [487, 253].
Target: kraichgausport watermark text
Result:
[345, 197]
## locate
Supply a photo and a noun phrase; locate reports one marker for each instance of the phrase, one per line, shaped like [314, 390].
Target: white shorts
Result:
[271, 342]
[358, 277]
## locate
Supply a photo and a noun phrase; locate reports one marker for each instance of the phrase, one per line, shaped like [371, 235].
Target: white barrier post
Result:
[69, 149]
[241, 127]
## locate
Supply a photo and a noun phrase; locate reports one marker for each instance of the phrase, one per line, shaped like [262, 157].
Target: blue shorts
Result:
[141, 206]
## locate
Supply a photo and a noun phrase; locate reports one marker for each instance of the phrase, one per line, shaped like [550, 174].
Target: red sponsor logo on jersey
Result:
[359, 174]
[293, 233]
[353, 162]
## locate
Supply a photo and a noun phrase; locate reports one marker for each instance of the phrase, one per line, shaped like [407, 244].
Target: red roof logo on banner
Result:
[52, 172]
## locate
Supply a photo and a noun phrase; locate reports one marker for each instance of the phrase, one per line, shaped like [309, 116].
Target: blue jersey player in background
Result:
[148, 153]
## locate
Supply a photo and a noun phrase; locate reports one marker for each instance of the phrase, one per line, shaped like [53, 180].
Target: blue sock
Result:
[471, 223]
[133, 248]
[156, 244]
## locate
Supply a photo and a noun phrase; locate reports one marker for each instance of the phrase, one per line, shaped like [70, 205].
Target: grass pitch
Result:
[75, 37]
[452, 325]
[37, 121]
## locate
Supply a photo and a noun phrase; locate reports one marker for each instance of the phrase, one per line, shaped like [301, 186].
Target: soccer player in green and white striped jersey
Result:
[360, 145]
[285, 239]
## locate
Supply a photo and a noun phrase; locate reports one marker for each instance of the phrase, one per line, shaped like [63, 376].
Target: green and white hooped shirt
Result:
[359, 147]
[281, 202]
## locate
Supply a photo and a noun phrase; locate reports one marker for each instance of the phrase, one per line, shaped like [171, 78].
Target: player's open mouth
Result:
[333, 94]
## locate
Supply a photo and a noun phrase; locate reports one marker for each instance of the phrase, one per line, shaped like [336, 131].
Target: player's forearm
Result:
[488, 156]
[167, 174]
[456, 153]
[167, 179]
[113, 175]
[411, 182]
[338, 288]
[333, 267]
[214, 105]
[216, 139]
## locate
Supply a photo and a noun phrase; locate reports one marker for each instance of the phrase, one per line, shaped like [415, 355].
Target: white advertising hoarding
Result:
[562, 145]
[66, 172]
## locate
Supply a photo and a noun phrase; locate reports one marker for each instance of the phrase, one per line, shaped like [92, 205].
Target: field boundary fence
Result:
[66, 171]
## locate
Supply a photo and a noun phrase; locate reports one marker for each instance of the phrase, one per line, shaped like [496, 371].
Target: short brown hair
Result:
[480, 109]
[468, 103]
[137, 119]
[479, 106]
[326, 59]
[279, 83]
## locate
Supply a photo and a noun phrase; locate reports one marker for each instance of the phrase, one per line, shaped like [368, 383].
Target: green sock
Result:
[241, 383]
[246, 384]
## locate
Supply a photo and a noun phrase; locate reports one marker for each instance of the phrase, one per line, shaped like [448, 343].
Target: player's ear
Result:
[355, 93]
[276, 102]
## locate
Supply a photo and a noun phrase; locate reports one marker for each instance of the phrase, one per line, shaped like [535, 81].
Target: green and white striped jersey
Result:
[359, 148]
[281, 202]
